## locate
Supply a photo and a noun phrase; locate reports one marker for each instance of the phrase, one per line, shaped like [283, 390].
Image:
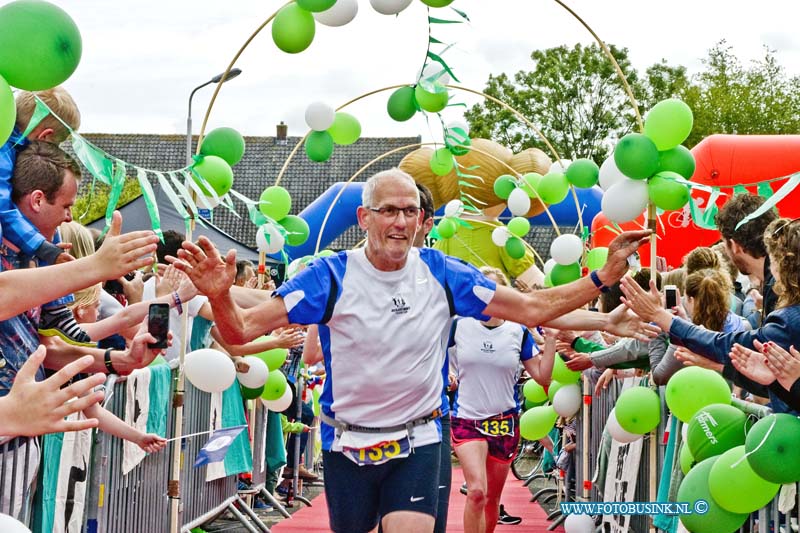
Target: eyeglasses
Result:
[778, 230]
[390, 211]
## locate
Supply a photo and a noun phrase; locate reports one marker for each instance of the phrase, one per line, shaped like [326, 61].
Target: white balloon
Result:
[389, 7]
[256, 376]
[319, 116]
[519, 203]
[625, 200]
[434, 72]
[462, 124]
[610, 174]
[12, 525]
[453, 208]
[548, 266]
[206, 202]
[282, 403]
[566, 249]
[209, 370]
[342, 12]
[500, 235]
[560, 166]
[684, 432]
[567, 400]
[579, 523]
[271, 245]
[616, 431]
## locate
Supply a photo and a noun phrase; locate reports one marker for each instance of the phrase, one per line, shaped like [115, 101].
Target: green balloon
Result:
[446, 228]
[562, 374]
[251, 394]
[504, 185]
[273, 358]
[275, 386]
[533, 391]
[346, 129]
[457, 141]
[583, 173]
[402, 104]
[515, 248]
[597, 258]
[715, 429]
[686, 459]
[530, 183]
[535, 423]
[40, 45]
[275, 202]
[669, 123]
[519, 226]
[8, 111]
[528, 404]
[316, 6]
[437, 3]
[442, 162]
[771, 447]
[667, 193]
[158, 361]
[679, 159]
[736, 487]
[692, 388]
[226, 143]
[548, 281]
[293, 29]
[553, 188]
[216, 171]
[562, 274]
[319, 146]
[296, 230]
[636, 156]
[553, 389]
[693, 488]
[432, 102]
[326, 253]
[638, 410]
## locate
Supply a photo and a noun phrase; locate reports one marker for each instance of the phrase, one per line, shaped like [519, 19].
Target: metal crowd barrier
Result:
[765, 520]
[18, 459]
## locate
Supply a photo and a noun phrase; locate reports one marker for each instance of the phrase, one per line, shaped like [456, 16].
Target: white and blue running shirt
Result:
[487, 364]
[384, 334]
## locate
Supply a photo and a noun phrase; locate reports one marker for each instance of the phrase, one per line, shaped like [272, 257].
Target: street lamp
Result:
[216, 79]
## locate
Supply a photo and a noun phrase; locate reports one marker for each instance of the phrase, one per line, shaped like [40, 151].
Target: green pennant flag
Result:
[739, 189]
[765, 190]
[117, 183]
[770, 202]
[100, 166]
[39, 113]
[149, 201]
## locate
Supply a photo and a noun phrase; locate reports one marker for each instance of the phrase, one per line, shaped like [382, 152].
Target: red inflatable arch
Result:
[722, 161]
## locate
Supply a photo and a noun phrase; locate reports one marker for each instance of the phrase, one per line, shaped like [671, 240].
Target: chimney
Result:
[280, 135]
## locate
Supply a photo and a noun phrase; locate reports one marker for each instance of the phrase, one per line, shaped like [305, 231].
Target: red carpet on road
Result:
[516, 500]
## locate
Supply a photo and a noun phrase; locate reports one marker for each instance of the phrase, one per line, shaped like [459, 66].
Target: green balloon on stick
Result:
[226, 143]
[402, 104]
[636, 156]
[638, 410]
[346, 129]
[275, 202]
[8, 111]
[217, 173]
[679, 160]
[40, 45]
[537, 422]
[668, 123]
[667, 193]
[736, 487]
[293, 29]
[319, 146]
[583, 173]
[715, 519]
[297, 230]
[504, 185]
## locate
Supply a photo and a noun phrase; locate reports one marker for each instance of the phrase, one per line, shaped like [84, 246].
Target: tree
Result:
[91, 205]
[573, 95]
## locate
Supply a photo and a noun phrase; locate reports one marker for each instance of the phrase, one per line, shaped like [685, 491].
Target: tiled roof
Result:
[263, 158]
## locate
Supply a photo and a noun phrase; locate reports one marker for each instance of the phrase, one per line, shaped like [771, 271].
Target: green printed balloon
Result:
[562, 274]
[504, 185]
[275, 386]
[8, 111]
[275, 202]
[442, 162]
[293, 29]
[669, 123]
[346, 129]
[519, 226]
[636, 156]
[316, 6]
[692, 388]
[402, 104]
[583, 173]
[715, 429]
[432, 102]
[666, 193]
[319, 146]
[553, 188]
[715, 519]
[679, 160]
[217, 173]
[537, 422]
[771, 447]
[515, 248]
[736, 487]
[40, 45]
[226, 143]
[446, 228]
[296, 230]
[638, 410]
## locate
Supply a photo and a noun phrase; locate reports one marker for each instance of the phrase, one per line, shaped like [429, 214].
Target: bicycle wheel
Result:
[527, 460]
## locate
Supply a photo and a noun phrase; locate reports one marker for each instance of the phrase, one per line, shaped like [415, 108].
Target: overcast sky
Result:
[142, 59]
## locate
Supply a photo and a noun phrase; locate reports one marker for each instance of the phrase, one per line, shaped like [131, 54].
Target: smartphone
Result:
[670, 296]
[158, 324]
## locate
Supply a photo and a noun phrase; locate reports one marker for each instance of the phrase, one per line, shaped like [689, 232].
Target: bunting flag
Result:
[227, 411]
[146, 404]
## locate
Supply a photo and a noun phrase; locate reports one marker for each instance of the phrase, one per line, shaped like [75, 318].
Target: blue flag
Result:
[217, 446]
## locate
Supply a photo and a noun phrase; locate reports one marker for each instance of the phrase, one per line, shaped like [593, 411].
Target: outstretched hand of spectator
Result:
[751, 364]
[689, 358]
[785, 365]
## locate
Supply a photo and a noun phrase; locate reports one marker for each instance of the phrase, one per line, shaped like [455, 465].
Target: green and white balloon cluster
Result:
[650, 167]
[294, 26]
[328, 127]
[278, 227]
[564, 395]
[429, 94]
[220, 150]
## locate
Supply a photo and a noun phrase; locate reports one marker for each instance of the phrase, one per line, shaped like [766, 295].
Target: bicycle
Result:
[528, 460]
